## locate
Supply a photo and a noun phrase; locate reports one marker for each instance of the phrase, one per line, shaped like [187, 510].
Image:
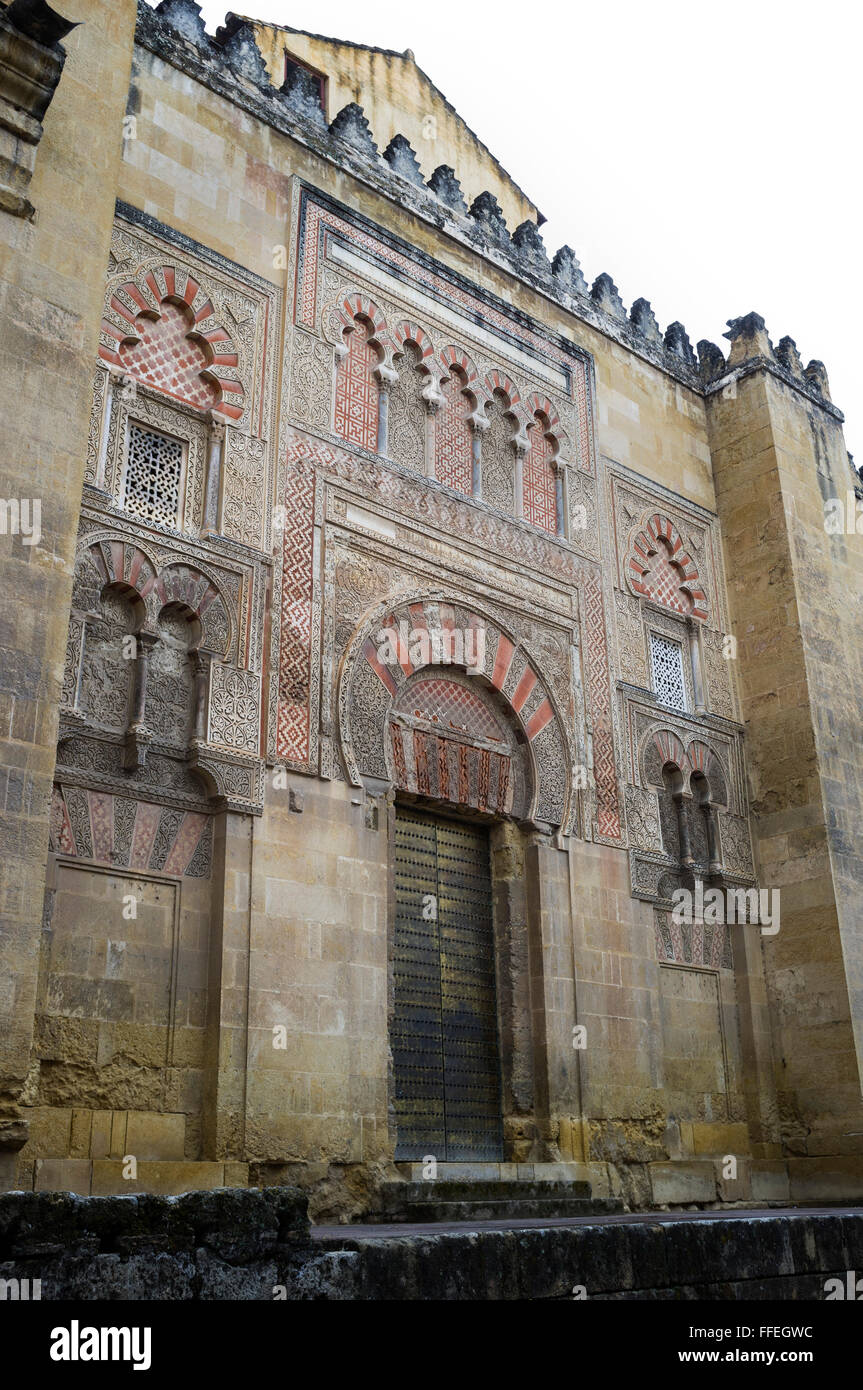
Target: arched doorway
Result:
[440, 706]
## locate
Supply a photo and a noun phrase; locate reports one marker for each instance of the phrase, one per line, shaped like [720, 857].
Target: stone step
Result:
[483, 1200]
[419, 1213]
[469, 1189]
[417, 1171]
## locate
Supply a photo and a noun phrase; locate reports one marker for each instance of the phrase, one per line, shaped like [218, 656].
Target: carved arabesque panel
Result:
[406, 430]
[630, 640]
[235, 708]
[244, 488]
[97, 414]
[170, 685]
[107, 664]
[643, 819]
[312, 378]
[498, 458]
[583, 521]
[736, 844]
[720, 694]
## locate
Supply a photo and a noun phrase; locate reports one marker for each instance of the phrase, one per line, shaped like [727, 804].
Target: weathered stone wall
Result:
[52, 272]
[318, 1048]
[778, 456]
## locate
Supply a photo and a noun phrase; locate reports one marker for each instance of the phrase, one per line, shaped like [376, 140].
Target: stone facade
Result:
[368, 503]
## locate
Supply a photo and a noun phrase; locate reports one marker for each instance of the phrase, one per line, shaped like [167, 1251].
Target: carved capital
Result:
[432, 396]
[478, 421]
[125, 387]
[386, 376]
[135, 745]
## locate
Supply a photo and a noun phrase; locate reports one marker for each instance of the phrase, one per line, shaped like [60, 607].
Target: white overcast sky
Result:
[708, 156]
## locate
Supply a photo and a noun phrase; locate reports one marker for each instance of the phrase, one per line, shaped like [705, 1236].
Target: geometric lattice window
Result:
[666, 659]
[153, 475]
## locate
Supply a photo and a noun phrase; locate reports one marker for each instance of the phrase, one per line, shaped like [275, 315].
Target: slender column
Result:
[383, 419]
[520, 454]
[120, 389]
[479, 424]
[433, 397]
[686, 857]
[387, 377]
[215, 464]
[201, 667]
[560, 498]
[715, 862]
[142, 675]
[137, 734]
[697, 667]
[432, 408]
[476, 465]
[340, 353]
[113, 378]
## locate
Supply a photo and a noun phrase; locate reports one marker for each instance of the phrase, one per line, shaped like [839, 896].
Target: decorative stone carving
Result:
[351, 126]
[406, 435]
[736, 845]
[402, 159]
[583, 519]
[694, 944]
[311, 381]
[170, 683]
[232, 778]
[148, 413]
[301, 91]
[489, 219]
[444, 184]
[107, 663]
[235, 708]
[498, 457]
[632, 658]
[132, 834]
[231, 315]
[659, 568]
[718, 669]
[244, 498]
[567, 272]
[643, 819]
